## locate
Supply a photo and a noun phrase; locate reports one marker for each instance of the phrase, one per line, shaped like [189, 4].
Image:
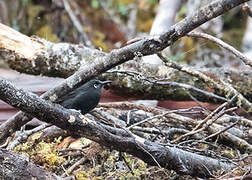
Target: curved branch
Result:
[52, 58]
[182, 162]
[63, 59]
[220, 43]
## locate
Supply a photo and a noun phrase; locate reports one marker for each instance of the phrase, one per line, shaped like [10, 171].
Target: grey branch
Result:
[220, 43]
[65, 58]
[182, 162]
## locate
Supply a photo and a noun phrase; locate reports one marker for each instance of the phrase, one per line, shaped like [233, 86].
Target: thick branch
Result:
[16, 166]
[63, 59]
[120, 139]
[146, 83]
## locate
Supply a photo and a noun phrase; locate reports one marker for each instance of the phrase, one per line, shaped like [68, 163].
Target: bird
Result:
[84, 98]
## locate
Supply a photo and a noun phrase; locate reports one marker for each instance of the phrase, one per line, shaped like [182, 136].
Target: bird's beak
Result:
[106, 82]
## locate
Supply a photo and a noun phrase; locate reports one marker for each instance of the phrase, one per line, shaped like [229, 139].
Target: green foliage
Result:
[82, 140]
[33, 12]
[228, 36]
[25, 2]
[122, 9]
[177, 57]
[95, 4]
[153, 2]
[98, 40]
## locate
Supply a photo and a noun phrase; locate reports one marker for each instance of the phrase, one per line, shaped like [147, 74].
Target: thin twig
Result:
[222, 44]
[77, 24]
[70, 169]
[139, 142]
[167, 82]
[23, 135]
[127, 164]
[214, 116]
[221, 131]
[221, 86]
[6, 143]
[157, 116]
[210, 116]
[247, 9]
[243, 158]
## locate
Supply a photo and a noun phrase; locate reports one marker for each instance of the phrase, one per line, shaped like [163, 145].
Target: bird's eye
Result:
[95, 86]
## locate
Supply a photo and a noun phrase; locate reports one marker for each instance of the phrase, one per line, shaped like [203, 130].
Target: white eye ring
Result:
[95, 86]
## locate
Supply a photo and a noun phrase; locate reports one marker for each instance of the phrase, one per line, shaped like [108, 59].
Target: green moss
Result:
[46, 33]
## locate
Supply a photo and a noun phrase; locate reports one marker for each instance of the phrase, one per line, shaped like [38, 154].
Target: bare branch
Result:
[220, 43]
[164, 82]
[220, 85]
[21, 136]
[247, 9]
[221, 131]
[66, 58]
[230, 136]
[84, 38]
[171, 158]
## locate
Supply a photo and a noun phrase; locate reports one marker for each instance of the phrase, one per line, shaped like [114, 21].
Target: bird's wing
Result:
[70, 95]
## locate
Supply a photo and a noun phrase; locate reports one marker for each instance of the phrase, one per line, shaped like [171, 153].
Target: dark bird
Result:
[85, 98]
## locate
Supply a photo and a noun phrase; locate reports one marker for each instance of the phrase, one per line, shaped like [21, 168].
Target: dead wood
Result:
[63, 59]
[235, 136]
[16, 166]
[120, 139]
[37, 56]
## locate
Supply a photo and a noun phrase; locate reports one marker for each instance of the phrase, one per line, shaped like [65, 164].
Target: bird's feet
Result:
[75, 110]
[79, 112]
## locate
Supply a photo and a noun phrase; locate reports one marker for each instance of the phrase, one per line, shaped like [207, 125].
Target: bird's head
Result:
[97, 84]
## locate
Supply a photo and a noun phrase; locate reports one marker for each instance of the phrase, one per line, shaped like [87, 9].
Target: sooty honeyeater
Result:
[85, 98]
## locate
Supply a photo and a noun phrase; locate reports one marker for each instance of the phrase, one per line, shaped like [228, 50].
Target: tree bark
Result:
[115, 138]
[16, 166]
[63, 59]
